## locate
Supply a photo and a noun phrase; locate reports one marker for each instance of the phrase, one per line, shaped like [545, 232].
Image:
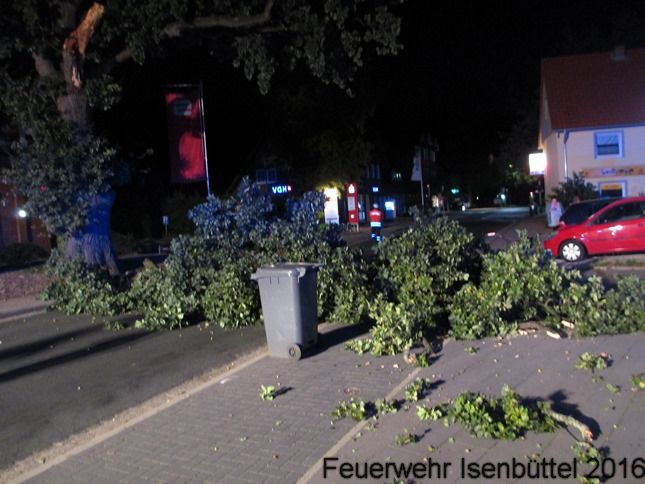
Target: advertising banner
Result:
[186, 140]
[600, 172]
[417, 175]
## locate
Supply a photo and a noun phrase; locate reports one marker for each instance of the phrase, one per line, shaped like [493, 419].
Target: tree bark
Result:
[93, 243]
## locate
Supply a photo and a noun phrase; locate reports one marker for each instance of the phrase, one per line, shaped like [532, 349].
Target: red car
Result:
[616, 228]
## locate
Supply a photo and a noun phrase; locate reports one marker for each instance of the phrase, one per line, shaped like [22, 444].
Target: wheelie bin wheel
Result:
[295, 352]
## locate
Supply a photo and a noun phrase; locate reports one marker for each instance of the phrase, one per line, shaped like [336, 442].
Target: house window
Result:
[271, 175]
[613, 189]
[609, 144]
[396, 176]
[373, 172]
[267, 175]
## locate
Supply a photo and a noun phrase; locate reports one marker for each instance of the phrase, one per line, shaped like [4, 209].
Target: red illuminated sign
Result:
[352, 204]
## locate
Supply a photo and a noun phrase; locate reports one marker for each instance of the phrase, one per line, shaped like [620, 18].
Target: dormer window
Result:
[609, 144]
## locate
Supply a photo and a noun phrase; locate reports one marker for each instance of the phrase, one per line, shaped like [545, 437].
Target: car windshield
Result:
[579, 212]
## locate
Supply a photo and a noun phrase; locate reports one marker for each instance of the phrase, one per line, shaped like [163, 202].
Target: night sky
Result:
[469, 71]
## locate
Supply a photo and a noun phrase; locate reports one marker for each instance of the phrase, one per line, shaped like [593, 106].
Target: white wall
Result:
[554, 171]
[581, 155]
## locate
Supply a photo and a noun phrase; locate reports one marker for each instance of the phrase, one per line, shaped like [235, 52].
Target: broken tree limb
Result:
[585, 432]
[76, 42]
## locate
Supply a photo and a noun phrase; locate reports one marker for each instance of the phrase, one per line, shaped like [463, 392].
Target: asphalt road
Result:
[62, 374]
[480, 221]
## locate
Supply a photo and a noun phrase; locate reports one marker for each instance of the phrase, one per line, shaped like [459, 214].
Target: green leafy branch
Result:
[505, 418]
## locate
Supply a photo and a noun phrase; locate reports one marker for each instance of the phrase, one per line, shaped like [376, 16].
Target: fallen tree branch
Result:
[585, 431]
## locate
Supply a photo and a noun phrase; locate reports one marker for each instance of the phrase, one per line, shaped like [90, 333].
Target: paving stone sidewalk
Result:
[226, 433]
[537, 367]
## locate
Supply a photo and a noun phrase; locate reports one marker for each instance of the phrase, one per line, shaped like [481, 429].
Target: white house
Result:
[592, 120]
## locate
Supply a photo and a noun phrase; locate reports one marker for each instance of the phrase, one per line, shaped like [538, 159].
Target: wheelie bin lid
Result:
[286, 269]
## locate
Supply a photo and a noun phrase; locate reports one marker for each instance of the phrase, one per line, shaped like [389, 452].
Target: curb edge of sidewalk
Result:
[32, 310]
[59, 452]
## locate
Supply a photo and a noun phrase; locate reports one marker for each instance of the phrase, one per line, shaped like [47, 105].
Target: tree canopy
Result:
[59, 64]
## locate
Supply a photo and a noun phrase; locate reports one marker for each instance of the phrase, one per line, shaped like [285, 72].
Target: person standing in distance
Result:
[555, 212]
[376, 219]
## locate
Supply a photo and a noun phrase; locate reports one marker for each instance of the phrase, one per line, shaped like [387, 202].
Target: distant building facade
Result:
[15, 224]
[382, 183]
[389, 187]
[592, 120]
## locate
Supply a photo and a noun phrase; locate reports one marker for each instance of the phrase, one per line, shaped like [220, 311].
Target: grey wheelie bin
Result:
[289, 306]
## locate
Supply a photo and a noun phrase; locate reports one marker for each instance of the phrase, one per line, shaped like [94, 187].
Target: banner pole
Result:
[203, 119]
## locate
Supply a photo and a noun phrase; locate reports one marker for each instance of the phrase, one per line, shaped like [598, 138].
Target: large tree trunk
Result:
[93, 243]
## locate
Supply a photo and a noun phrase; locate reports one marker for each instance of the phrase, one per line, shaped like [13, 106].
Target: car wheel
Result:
[572, 251]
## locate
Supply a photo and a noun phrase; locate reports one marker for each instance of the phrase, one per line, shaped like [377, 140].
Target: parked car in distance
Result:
[616, 228]
[500, 200]
[576, 213]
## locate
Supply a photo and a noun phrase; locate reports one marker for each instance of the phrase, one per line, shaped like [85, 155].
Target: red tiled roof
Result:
[594, 90]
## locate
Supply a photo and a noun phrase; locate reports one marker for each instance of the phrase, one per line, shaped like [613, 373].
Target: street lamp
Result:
[537, 167]
[537, 163]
